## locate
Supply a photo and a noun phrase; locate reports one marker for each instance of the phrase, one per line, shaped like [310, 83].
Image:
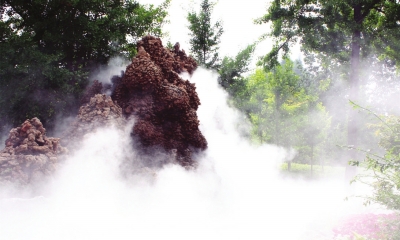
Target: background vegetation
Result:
[336, 105]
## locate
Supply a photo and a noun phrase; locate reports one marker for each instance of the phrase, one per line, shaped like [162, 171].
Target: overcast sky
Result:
[237, 18]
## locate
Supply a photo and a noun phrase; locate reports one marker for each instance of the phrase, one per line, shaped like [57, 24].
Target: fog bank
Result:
[235, 193]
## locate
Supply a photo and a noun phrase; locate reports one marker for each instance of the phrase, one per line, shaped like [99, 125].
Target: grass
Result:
[304, 171]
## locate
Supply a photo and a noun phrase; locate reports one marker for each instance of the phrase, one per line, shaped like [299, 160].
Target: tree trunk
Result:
[321, 163]
[312, 158]
[352, 128]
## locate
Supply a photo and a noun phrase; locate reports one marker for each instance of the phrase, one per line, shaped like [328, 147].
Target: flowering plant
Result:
[369, 226]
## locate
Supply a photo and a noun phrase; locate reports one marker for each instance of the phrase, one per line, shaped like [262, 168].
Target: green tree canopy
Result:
[276, 102]
[85, 32]
[342, 31]
[232, 70]
[285, 112]
[49, 48]
[205, 36]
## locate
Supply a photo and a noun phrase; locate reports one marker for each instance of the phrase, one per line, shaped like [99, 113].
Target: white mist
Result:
[235, 193]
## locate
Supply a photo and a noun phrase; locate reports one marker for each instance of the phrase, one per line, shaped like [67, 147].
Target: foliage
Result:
[383, 173]
[343, 31]
[232, 70]
[205, 36]
[85, 31]
[330, 27]
[275, 103]
[49, 48]
[390, 228]
[315, 145]
[32, 82]
[382, 81]
[284, 112]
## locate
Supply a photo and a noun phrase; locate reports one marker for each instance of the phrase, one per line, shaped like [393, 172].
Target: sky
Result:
[237, 18]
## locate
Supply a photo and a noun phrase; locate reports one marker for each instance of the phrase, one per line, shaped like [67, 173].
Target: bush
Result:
[383, 171]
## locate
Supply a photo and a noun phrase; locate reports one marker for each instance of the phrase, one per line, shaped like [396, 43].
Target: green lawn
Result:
[304, 170]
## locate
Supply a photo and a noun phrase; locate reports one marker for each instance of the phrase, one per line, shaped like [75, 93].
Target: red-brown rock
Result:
[163, 104]
[99, 111]
[29, 154]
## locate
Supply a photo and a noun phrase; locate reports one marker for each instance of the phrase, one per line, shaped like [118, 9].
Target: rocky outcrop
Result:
[98, 88]
[95, 88]
[163, 104]
[29, 154]
[150, 91]
[99, 111]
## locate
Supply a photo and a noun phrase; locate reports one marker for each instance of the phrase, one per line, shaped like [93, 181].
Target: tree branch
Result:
[368, 8]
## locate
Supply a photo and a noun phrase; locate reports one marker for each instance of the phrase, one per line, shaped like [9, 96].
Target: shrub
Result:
[383, 171]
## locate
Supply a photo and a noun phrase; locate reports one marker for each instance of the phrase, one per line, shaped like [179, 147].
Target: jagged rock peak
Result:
[29, 154]
[99, 111]
[163, 104]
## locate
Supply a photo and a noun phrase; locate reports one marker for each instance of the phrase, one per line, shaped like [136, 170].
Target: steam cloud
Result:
[114, 67]
[235, 193]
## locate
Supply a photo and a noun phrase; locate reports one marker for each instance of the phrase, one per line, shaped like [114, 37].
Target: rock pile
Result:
[98, 88]
[95, 88]
[163, 104]
[99, 111]
[29, 155]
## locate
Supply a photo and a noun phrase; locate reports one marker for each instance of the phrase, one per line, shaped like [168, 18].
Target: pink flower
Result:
[368, 225]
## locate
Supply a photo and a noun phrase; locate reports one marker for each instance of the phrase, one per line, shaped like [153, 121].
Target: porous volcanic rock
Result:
[91, 91]
[99, 111]
[163, 104]
[29, 154]
[98, 88]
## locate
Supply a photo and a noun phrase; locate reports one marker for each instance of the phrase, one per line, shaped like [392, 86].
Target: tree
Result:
[284, 112]
[275, 99]
[232, 70]
[32, 82]
[86, 32]
[314, 134]
[49, 48]
[346, 31]
[205, 37]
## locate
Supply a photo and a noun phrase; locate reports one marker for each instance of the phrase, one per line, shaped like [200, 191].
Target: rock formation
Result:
[29, 155]
[98, 88]
[99, 111]
[95, 88]
[163, 104]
